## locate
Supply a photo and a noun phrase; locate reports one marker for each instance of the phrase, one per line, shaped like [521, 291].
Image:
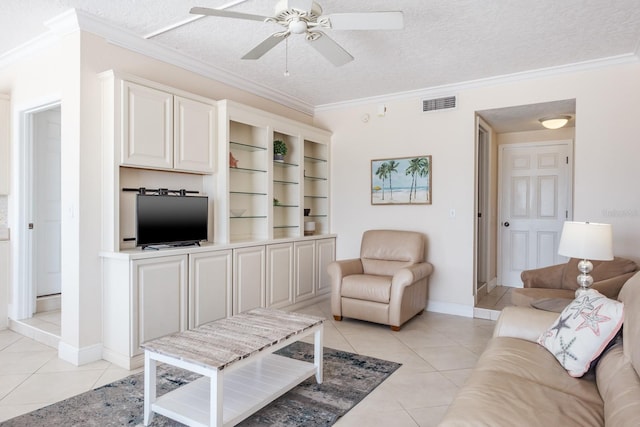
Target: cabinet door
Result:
[159, 298]
[326, 249]
[4, 144]
[248, 278]
[305, 269]
[279, 275]
[147, 127]
[209, 287]
[195, 132]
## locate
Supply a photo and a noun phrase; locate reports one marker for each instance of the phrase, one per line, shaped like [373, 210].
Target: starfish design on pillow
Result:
[561, 323]
[583, 303]
[564, 352]
[592, 320]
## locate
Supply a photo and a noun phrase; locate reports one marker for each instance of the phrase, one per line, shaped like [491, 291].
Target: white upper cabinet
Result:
[159, 127]
[147, 128]
[195, 133]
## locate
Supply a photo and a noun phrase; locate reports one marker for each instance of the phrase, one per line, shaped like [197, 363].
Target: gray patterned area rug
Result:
[348, 378]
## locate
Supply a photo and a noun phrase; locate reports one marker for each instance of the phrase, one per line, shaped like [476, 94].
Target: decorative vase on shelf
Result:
[279, 150]
[233, 162]
[309, 228]
[307, 212]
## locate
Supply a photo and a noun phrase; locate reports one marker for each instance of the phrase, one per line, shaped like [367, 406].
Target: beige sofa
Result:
[517, 382]
[388, 284]
[560, 281]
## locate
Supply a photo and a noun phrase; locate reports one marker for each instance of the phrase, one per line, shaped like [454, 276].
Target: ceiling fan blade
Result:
[226, 14]
[366, 21]
[264, 47]
[304, 5]
[330, 49]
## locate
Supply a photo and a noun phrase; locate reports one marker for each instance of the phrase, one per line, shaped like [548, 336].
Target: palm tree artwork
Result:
[383, 173]
[406, 180]
[418, 167]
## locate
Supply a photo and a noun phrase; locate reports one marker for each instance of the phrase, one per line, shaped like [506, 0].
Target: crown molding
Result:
[75, 20]
[131, 41]
[446, 90]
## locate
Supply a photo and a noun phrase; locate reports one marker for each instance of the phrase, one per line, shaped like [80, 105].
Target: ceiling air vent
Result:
[439, 103]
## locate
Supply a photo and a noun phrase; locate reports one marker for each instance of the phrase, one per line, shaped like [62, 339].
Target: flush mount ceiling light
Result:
[555, 122]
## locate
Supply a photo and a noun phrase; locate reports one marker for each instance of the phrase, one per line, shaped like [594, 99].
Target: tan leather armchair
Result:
[560, 281]
[388, 284]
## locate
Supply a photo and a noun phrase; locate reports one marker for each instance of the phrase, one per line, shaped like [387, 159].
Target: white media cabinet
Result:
[156, 136]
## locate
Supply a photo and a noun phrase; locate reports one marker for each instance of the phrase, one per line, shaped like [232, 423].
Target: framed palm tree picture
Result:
[401, 181]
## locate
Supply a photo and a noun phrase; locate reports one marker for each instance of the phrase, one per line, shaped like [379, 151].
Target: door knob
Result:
[506, 223]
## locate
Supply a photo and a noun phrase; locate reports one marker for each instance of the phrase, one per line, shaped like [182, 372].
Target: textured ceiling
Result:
[443, 43]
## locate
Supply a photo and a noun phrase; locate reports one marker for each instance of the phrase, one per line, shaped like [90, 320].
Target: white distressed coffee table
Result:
[240, 372]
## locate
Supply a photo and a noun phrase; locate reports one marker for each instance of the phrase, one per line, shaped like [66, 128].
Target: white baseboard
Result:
[48, 303]
[36, 334]
[491, 285]
[125, 362]
[79, 356]
[449, 308]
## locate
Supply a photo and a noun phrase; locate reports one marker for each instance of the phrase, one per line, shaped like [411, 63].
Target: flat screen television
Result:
[171, 220]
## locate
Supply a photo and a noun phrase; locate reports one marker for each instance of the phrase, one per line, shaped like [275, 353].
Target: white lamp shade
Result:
[586, 240]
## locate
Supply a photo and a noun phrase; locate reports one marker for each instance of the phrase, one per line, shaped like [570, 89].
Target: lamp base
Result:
[584, 278]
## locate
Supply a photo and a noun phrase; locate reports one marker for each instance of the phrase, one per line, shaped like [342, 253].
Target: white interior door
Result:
[535, 200]
[46, 202]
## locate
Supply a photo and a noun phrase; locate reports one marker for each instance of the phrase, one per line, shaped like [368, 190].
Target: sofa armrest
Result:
[611, 287]
[411, 274]
[523, 322]
[545, 277]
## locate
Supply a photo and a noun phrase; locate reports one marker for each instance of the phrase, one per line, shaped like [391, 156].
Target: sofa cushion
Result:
[630, 296]
[619, 387]
[518, 383]
[523, 297]
[583, 330]
[367, 287]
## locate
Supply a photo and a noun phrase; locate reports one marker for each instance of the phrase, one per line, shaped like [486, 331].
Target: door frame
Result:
[569, 188]
[483, 206]
[24, 299]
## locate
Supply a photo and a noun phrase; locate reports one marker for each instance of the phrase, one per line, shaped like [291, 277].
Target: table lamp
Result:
[586, 241]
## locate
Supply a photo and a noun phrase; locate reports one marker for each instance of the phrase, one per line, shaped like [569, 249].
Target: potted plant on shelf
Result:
[279, 150]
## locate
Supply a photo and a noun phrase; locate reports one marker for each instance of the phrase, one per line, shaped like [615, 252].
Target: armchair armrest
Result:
[523, 322]
[345, 267]
[337, 270]
[408, 275]
[546, 277]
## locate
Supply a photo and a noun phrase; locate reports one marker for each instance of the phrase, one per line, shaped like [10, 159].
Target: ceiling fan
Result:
[305, 17]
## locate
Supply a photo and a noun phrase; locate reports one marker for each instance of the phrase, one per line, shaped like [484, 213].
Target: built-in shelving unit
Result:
[316, 188]
[286, 188]
[272, 193]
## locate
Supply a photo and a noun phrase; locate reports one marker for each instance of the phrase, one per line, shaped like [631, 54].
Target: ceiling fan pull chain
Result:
[286, 57]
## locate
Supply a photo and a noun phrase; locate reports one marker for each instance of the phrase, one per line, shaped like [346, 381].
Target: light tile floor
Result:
[437, 352]
[497, 299]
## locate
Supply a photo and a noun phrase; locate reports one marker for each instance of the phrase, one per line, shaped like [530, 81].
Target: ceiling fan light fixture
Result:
[298, 26]
[555, 122]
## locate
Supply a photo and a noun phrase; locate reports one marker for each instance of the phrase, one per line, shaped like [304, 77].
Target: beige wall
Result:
[606, 152]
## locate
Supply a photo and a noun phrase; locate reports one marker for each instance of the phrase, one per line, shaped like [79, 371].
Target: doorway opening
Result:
[496, 243]
[39, 287]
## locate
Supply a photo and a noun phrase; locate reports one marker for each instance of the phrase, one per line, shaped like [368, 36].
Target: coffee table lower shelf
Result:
[245, 390]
